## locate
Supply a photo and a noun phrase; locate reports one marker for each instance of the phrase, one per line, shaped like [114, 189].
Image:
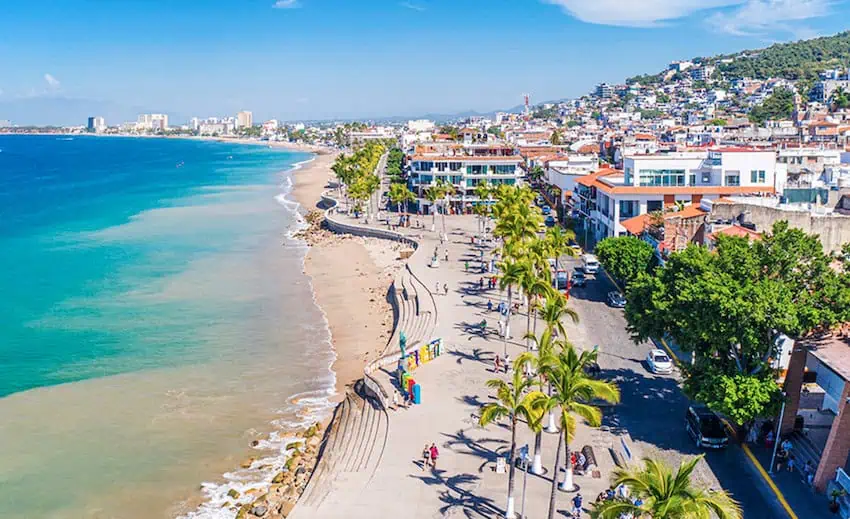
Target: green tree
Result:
[573, 392]
[555, 139]
[432, 194]
[514, 401]
[666, 495]
[399, 194]
[625, 257]
[729, 306]
[778, 105]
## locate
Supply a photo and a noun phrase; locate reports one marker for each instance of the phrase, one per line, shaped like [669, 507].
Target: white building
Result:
[194, 123]
[420, 126]
[564, 173]
[655, 182]
[271, 125]
[152, 122]
[464, 167]
[96, 124]
[244, 119]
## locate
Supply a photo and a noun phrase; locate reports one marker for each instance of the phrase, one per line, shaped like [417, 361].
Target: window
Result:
[757, 176]
[706, 178]
[661, 177]
[628, 176]
[476, 170]
[628, 209]
[504, 169]
[425, 179]
[454, 166]
[692, 180]
[654, 205]
[456, 179]
[733, 180]
[441, 166]
[425, 165]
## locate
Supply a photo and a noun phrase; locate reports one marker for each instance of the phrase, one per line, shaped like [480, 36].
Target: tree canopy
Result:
[625, 257]
[728, 306]
[779, 105]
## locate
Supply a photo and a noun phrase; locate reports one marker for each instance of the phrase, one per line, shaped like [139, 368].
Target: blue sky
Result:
[345, 58]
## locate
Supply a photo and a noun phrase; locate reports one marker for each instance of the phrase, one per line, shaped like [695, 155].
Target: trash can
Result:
[417, 394]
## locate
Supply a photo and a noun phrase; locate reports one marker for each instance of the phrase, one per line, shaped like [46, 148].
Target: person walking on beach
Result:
[447, 255]
[437, 288]
[497, 364]
[395, 400]
[426, 456]
[434, 455]
[507, 361]
[489, 305]
[481, 283]
[446, 288]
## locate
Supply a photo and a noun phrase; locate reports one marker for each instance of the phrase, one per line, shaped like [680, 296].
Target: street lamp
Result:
[778, 430]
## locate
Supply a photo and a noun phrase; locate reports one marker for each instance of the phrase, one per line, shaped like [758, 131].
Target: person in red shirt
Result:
[434, 455]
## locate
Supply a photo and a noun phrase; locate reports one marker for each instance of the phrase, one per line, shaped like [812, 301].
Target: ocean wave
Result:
[256, 479]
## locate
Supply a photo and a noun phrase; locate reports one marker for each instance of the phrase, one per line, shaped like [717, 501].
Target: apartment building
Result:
[654, 182]
[464, 166]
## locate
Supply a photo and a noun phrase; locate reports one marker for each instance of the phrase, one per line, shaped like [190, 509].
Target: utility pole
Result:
[778, 430]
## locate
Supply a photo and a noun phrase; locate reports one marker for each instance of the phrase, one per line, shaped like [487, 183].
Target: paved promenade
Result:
[465, 483]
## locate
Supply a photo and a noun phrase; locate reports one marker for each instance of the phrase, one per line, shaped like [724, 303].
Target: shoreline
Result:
[350, 277]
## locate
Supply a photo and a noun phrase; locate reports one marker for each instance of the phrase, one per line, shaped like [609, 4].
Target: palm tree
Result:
[533, 284]
[536, 362]
[558, 241]
[573, 392]
[432, 194]
[400, 194]
[666, 495]
[512, 275]
[446, 190]
[513, 402]
[553, 311]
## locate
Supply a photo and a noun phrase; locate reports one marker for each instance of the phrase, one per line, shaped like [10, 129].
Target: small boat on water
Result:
[180, 164]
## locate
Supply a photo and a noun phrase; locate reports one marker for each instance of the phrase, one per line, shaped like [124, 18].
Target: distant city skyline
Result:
[333, 59]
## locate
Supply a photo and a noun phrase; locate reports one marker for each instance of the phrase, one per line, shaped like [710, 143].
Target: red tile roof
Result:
[638, 224]
[737, 230]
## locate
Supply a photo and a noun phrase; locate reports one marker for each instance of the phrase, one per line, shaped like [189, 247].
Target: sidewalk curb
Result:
[755, 462]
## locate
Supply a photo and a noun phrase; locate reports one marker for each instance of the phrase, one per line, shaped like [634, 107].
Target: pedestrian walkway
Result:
[800, 496]
[464, 482]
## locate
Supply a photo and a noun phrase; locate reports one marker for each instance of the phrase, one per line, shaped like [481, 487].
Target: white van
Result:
[589, 264]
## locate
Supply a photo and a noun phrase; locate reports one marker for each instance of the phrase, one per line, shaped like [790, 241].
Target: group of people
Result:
[429, 456]
[619, 493]
[437, 288]
[499, 364]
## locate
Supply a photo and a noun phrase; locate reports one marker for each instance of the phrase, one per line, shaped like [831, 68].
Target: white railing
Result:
[842, 479]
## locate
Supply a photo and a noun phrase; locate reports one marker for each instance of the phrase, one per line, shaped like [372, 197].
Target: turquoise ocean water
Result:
[152, 321]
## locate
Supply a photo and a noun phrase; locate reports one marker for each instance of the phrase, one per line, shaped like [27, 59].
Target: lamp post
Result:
[778, 430]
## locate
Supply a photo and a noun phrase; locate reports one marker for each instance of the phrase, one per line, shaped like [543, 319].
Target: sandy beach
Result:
[350, 278]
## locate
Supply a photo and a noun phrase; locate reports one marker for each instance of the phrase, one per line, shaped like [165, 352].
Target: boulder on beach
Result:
[260, 510]
[233, 493]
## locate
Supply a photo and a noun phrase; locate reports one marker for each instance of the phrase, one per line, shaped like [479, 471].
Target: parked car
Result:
[579, 279]
[539, 201]
[560, 279]
[659, 362]
[546, 210]
[550, 221]
[616, 299]
[705, 427]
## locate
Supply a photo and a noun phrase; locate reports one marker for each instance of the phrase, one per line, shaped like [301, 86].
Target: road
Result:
[653, 406]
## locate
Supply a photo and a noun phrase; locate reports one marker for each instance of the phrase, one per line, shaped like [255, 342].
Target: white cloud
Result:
[286, 4]
[412, 7]
[763, 16]
[52, 82]
[637, 13]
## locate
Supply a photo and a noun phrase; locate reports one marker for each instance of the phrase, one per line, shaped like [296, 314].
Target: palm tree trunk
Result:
[507, 320]
[554, 490]
[537, 463]
[567, 484]
[509, 512]
[528, 345]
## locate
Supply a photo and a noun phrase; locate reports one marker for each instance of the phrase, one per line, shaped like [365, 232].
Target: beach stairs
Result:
[350, 453]
[416, 312]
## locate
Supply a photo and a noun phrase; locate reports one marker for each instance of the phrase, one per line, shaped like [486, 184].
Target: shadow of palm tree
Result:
[458, 497]
[476, 355]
